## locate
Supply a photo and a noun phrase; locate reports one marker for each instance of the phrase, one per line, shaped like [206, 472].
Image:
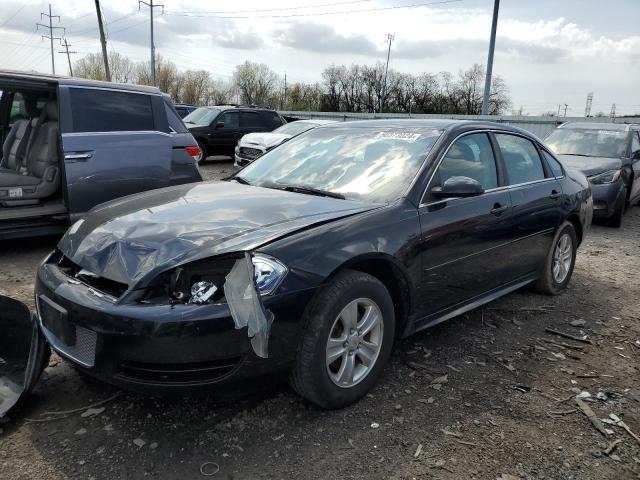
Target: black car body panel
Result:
[437, 258]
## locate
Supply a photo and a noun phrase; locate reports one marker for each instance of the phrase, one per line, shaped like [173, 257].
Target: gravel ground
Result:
[487, 395]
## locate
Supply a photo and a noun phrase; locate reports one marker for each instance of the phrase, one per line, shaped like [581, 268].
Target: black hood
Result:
[133, 239]
[590, 165]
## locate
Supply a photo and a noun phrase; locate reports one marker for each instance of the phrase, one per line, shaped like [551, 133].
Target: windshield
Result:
[588, 142]
[202, 116]
[294, 128]
[369, 164]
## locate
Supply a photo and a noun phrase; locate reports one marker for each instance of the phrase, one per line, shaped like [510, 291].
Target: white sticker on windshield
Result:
[400, 135]
[609, 132]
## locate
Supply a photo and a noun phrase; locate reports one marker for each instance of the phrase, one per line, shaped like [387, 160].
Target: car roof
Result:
[452, 125]
[621, 127]
[83, 82]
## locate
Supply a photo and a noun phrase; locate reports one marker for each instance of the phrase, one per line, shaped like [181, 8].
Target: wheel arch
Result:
[574, 219]
[392, 275]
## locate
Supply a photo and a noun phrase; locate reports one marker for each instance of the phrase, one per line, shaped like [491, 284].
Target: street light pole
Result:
[492, 45]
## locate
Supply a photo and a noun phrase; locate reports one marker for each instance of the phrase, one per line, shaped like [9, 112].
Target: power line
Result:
[16, 13]
[51, 37]
[317, 14]
[224, 12]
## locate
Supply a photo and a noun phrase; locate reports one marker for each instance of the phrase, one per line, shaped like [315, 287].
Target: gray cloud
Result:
[437, 48]
[319, 38]
[230, 38]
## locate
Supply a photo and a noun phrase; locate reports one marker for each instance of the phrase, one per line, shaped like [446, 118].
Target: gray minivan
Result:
[69, 144]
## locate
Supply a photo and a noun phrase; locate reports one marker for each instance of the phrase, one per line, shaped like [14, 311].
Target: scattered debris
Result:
[440, 380]
[92, 412]
[612, 446]
[153, 445]
[449, 432]
[138, 442]
[375, 425]
[620, 423]
[569, 336]
[209, 469]
[81, 409]
[577, 323]
[279, 437]
[82, 431]
[595, 421]
[418, 451]
[579, 348]
[462, 442]
[563, 412]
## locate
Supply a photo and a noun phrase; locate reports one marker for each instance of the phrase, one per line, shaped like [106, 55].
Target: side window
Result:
[230, 119]
[174, 120]
[554, 165]
[251, 120]
[635, 145]
[521, 159]
[95, 110]
[470, 156]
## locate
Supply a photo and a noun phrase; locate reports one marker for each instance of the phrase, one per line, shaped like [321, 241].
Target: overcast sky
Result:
[550, 52]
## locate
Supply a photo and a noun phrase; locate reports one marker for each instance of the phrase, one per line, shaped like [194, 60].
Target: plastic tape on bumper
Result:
[73, 341]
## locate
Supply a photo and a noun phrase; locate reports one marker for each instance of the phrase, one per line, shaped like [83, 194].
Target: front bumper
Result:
[241, 161]
[160, 348]
[606, 198]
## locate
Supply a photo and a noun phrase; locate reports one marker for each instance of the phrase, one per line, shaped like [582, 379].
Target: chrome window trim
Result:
[503, 187]
[110, 89]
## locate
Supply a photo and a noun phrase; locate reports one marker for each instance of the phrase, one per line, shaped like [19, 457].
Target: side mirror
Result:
[219, 125]
[458, 187]
[23, 352]
[636, 155]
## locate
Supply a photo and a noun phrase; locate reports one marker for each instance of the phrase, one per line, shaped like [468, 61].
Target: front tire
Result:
[348, 336]
[560, 261]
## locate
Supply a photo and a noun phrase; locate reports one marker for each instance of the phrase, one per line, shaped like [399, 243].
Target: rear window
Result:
[521, 159]
[175, 122]
[95, 110]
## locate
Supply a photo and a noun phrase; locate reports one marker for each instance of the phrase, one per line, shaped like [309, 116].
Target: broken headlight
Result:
[203, 281]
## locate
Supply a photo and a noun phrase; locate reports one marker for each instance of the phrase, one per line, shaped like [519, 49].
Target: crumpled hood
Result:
[590, 165]
[133, 239]
[265, 140]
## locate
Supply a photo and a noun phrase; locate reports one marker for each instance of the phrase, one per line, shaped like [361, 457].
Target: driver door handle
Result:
[554, 195]
[498, 209]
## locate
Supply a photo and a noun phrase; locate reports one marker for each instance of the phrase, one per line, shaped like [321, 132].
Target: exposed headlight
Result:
[610, 176]
[268, 273]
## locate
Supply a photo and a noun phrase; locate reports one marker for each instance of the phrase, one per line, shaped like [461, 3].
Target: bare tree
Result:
[256, 83]
[91, 66]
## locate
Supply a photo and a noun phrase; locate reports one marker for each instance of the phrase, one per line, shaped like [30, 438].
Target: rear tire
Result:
[560, 261]
[203, 153]
[616, 220]
[336, 365]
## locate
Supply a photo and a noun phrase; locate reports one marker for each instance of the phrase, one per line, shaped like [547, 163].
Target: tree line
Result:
[354, 88]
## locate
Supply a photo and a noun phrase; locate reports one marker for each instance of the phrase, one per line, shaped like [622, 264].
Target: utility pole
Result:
[50, 36]
[66, 47]
[587, 108]
[559, 106]
[389, 39]
[492, 46]
[103, 41]
[153, 47]
[613, 111]
[565, 109]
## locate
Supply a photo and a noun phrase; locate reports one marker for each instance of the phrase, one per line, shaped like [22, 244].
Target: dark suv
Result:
[218, 129]
[69, 144]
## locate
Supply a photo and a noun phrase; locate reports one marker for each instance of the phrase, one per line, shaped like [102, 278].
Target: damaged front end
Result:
[23, 353]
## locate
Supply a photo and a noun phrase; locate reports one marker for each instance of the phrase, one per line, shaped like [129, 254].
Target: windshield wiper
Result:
[313, 191]
[238, 179]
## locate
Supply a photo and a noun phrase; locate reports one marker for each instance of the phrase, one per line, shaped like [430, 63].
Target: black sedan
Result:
[312, 260]
[609, 155]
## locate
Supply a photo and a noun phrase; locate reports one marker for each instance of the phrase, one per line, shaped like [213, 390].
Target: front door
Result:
[224, 137]
[463, 238]
[112, 146]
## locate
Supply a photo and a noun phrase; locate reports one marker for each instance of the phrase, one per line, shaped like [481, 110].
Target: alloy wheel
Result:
[354, 343]
[562, 258]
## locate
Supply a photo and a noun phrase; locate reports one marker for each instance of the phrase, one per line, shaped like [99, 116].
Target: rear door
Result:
[536, 197]
[115, 143]
[251, 122]
[463, 239]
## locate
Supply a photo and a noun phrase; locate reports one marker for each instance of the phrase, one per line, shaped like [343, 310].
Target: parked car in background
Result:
[184, 109]
[254, 145]
[77, 143]
[609, 155]
[317, 255]
[218, 129]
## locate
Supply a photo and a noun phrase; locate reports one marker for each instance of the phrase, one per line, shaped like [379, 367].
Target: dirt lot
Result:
[485, 395]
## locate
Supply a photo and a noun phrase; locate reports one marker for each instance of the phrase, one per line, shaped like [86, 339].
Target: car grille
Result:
[177, 373]
[250, 153]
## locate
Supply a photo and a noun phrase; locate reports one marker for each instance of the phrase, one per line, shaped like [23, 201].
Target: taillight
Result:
[194, 151]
